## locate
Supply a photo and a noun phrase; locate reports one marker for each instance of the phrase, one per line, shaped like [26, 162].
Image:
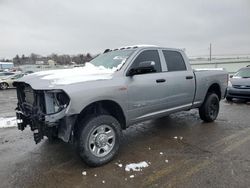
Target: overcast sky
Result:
[73, 27]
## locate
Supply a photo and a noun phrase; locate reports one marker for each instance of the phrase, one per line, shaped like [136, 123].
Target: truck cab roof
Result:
[141, 46]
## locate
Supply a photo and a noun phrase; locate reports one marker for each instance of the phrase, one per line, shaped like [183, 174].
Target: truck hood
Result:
[240, 81]
[55, 79]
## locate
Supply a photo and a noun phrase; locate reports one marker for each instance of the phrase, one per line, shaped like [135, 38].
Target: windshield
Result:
[113, 59]
[243, 73]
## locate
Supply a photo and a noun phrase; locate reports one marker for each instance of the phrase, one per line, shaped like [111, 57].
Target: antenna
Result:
[210, 52]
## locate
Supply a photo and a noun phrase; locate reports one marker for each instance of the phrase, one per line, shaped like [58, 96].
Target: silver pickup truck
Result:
[91, 105]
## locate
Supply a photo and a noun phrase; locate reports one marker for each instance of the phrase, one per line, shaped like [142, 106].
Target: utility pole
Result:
[210, 52]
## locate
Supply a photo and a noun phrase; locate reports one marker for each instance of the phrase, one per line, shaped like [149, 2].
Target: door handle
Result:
[160, 80]
[189, 77]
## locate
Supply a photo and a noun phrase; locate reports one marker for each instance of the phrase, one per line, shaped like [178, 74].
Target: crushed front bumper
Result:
[50, 126]
[45, 112]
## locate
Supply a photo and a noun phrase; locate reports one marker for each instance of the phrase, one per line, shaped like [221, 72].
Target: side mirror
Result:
[231, 76]
[144, 67]
[147, 64]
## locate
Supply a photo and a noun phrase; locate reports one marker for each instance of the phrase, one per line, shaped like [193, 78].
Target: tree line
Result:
[59, 59]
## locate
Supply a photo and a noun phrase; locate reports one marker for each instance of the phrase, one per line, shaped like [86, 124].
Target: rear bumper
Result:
[238, 93]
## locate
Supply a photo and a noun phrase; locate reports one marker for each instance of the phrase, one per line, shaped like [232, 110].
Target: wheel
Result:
[210, 108]
[230, 99]
[99, 139]
[4, 85]
[53, 139]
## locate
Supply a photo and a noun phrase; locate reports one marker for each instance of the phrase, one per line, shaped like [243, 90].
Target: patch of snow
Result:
[136, 166]
[126, 179]
[132, 176]
[95, 175]
[119, 164]
[161, 153]
[8, 122]
[180, 137]
[103, 181]
[149, 148]
[84, 173]
[166, 161]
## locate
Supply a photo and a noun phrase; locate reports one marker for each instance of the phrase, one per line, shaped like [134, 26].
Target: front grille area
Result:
[30, 101]
[31, 111]
[239, 94]
[35, 108]
[241, 86]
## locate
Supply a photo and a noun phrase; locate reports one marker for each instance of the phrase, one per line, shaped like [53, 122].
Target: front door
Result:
[147, 92]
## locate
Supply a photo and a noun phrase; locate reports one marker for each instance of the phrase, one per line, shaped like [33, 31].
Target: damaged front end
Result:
[44, 111]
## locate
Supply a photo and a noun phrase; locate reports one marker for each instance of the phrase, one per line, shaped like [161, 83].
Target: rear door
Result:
[180, 80]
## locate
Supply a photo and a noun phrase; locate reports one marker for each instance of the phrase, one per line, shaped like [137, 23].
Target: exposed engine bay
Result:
[42, 110]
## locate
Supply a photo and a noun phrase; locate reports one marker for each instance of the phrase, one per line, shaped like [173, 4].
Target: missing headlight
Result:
[55, 101]
[62, 99]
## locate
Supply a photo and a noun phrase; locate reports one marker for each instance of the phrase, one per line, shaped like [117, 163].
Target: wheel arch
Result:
[215, 88]
[103, 107]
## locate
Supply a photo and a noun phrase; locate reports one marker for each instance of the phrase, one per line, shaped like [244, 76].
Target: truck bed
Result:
[205, 78]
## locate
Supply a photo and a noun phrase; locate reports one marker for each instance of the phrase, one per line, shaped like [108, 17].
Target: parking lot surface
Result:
[181, 151]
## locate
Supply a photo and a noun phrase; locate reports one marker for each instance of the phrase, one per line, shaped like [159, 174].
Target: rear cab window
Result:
[174, 61]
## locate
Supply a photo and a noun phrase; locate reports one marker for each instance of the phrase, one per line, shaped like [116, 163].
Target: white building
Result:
[6, 65]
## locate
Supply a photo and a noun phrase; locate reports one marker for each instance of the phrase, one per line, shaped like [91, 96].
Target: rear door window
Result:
[174, 60]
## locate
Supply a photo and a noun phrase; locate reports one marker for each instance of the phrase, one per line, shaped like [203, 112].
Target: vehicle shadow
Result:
[238, 101]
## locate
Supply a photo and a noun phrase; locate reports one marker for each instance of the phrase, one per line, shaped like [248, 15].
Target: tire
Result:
[4, 86]
[53, 139]
[210, 108]
[99, 139]
[230, 99]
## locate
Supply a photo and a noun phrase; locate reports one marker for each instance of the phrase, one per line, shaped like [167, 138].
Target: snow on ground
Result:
[119, 164]
[136, 166]
[180, 137]
[8, 122]
[132, 176]
[84, 173]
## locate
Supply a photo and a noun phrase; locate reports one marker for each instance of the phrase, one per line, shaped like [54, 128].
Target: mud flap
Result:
[65, 128]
